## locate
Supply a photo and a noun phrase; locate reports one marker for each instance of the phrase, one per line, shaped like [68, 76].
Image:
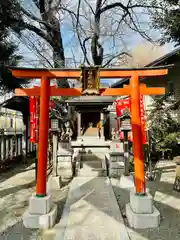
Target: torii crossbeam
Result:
[45, 91]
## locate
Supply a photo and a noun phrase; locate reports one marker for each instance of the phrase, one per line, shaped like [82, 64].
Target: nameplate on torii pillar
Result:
[90, 81]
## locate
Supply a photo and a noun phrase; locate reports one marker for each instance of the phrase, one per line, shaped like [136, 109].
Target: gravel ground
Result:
[166, 201]
[16, 186]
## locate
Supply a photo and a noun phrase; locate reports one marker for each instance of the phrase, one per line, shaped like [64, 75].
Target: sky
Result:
[127, 42]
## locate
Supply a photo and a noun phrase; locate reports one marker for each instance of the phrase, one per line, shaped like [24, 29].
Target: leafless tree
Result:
[43, 22]
[98, 28]
[97, 22]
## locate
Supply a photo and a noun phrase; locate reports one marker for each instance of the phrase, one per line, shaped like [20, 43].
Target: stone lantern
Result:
[54, 124]
[126, 121]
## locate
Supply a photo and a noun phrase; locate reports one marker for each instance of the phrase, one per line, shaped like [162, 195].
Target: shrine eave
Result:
[16, 103]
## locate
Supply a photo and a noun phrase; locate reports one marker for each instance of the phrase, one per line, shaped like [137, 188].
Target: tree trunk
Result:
[176, 186]
[58, 50]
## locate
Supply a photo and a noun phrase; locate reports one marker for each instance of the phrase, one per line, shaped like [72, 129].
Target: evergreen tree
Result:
[164, 126]
[8, 49]
[166, 17]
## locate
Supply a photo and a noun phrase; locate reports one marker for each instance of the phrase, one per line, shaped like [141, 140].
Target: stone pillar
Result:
[78, 125]
[54, 181]
[102, 125]
[55, 145]
[126, 154]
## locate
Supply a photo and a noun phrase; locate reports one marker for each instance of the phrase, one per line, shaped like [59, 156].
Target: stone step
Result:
[92, 172]
[91, 157]
[92, 164]
[92, 168]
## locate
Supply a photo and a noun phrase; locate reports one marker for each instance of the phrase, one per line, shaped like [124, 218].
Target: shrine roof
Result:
[91, 100]
[16, 103]
[169, 58]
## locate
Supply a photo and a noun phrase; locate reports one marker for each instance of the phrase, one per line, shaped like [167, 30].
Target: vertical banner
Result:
[143, 125]
[37, 118]
[32, 106]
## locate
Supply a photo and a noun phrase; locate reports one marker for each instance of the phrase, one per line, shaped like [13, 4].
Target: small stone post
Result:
[102, 125]
[79, 125]
[55, 145]
[126, 154]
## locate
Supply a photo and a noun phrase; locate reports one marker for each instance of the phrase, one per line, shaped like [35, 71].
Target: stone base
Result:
[41, 213]
[116, 172]
[40, 221]
[40, 205]
[54, 182]
[141, 213]
[141, 204]
[127, 182]
[142, 221]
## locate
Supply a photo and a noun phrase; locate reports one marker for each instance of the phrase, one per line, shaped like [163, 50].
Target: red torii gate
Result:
[134, 89]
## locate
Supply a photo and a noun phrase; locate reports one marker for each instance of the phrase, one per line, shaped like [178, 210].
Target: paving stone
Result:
[91, 212]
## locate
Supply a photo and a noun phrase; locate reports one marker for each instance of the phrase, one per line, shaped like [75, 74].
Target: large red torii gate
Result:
[134, 89]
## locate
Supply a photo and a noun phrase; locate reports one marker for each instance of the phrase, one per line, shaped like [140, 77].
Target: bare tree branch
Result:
[23, 25]
[36, 2]
[78, 34]
[116, 56]
[125, 8]
[86, 1]
[85, 51]
[96, 48]
[33, 17]
[38, 52]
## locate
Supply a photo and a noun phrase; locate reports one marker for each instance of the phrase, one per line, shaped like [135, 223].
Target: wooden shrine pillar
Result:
[43, 137]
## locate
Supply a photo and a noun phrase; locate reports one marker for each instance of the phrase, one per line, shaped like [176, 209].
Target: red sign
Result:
[143, 125]
[32, 103]
[121, 105]
[37, 118]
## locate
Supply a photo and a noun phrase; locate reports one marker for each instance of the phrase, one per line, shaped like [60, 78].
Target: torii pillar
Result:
[42, 212]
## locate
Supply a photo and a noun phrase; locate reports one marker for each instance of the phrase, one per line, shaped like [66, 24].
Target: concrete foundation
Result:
[54, 182]
[141, 213]
[41, 213]
[141, 204]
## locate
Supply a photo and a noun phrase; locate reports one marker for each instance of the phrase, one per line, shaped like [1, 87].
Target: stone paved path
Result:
[16, 186]
[91, 212]
[166, 201]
